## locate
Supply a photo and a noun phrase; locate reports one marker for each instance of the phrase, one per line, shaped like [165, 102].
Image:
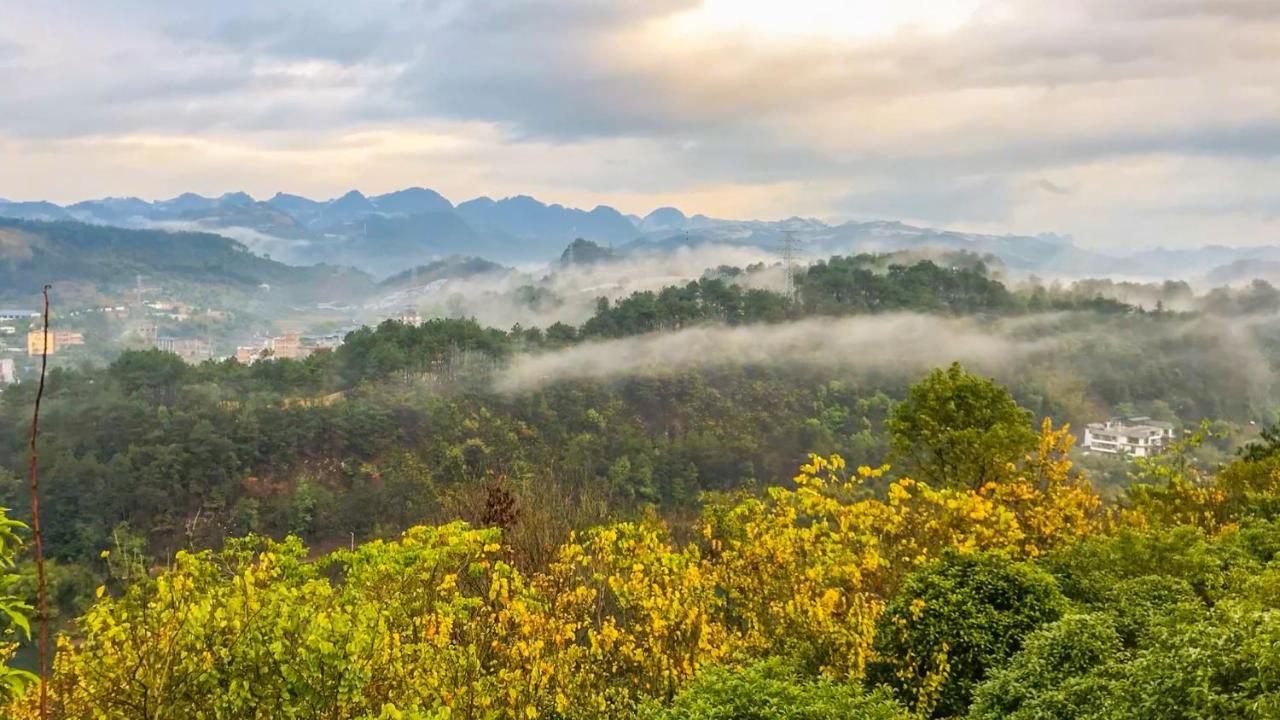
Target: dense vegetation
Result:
[88, 262]
[840, 286]
[335, 444]
[401, 425]
[841, 593]
[283, 539]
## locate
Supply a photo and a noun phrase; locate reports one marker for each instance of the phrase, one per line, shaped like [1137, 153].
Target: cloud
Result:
[937, 200]
[1226, 353]
[302, 36]
[492, 299]
[628, 101]
[899, 344]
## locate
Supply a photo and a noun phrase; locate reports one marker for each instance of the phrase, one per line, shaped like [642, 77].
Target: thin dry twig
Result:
[41, 594]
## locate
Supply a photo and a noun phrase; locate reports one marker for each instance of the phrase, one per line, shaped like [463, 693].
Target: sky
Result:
[1123, 123]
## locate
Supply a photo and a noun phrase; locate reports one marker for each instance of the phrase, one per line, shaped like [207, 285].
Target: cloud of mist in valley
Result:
[1080, 344]
[257, 242]
[896, 343]
[493, 298]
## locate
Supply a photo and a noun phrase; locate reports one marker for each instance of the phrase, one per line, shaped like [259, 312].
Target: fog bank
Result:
[905, 343]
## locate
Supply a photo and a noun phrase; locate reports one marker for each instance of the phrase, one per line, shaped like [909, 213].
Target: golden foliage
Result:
[438, 624]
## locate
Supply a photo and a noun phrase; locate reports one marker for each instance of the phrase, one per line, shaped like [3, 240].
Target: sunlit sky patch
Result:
[850, 20]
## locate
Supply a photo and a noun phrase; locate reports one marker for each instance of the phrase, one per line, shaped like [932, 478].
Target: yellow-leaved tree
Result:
[807, 570]
[439, 624]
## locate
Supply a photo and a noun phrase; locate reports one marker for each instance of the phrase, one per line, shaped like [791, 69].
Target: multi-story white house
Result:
[1136, 436]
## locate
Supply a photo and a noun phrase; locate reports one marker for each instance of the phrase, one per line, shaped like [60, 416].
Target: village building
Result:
[58, 339]
[8, 372]
[1134, 436]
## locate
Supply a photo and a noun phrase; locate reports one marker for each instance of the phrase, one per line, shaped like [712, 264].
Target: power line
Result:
[789, 264]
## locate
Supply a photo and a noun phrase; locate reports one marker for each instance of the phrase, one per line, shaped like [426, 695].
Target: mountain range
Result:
[385, 234]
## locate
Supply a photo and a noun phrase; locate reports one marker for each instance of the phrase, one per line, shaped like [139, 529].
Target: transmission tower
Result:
[789, 263]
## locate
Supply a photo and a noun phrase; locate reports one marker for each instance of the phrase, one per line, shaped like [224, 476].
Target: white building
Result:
[410, 316]
[8, 373]
[1136, 436]
[192, 350]
[8, 315]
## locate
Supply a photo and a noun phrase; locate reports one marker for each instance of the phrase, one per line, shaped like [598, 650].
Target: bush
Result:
[772, 690]
[954, 621]
[1227, 665]
[1091, 571]
[1050, 677]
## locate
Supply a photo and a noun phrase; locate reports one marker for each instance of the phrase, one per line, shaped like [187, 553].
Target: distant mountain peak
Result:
[351, 196]
[664, 218]
[236, 198]
[412, 201]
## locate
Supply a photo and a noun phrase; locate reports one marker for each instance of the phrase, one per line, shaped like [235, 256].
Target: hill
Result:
[451, 267]
[97, 260]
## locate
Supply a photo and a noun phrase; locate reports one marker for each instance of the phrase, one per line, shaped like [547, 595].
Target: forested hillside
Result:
[632, 540]
[83, 260]
[998, 587]
[406, 423]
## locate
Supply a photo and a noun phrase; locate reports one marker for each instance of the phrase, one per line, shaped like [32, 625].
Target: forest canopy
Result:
[841, 592]
[395, 528]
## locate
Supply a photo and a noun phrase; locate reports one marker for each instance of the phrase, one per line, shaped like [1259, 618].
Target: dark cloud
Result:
[547, 69]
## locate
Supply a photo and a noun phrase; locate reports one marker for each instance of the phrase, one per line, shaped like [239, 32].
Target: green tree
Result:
[14, 623]
[956, 429]
[1050, 679]
[955, 620]
[771, 690]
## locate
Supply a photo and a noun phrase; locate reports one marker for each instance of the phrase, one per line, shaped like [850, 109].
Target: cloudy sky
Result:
[1124, 123]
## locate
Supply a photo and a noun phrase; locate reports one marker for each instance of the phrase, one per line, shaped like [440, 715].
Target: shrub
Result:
[956, 619]
[772, 690]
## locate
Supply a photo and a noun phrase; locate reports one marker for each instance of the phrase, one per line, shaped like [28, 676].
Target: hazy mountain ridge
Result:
[452, 267]
[384, 234]
[88, 260]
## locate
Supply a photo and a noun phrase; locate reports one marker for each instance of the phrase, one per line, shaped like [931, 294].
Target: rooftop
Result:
[1136, 426]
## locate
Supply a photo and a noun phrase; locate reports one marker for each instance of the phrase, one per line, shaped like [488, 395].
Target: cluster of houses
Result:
[41, 343]
[289, 346]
